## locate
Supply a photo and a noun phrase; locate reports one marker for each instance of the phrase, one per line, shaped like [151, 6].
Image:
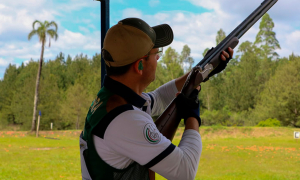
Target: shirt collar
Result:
[125, 92]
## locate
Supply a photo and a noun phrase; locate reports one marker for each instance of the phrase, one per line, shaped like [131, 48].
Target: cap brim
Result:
[164, 35]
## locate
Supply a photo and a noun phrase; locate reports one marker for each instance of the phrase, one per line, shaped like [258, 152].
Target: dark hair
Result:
[114, 71]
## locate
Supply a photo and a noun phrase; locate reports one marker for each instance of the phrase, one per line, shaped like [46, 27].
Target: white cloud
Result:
[213, 5]
[95, 15]
[84, 29]
[293, 41]
[16, 18]
[4, 62]
[92, 26]
[76, 40]
[28, 4]
[199, 31]
[163, 17]
[132, 12]
[24, 50]
[74, 5]
[68, 41]
[26, 62]
[153, 3]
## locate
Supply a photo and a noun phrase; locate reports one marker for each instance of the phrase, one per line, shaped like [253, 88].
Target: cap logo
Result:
[151, 134]
[151, 30]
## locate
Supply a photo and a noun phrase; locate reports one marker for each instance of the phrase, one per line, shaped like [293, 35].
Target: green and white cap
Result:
[133, 38]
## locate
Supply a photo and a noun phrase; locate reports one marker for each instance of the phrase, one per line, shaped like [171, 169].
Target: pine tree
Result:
[220, 36]
[266, 38]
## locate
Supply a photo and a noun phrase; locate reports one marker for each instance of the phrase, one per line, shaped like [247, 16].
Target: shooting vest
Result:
[97, 120]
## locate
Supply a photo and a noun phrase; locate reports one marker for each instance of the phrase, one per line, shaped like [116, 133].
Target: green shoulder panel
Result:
[96, 112]
[98, 169]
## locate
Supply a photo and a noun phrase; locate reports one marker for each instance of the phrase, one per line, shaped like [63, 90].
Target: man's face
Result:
[150, 65]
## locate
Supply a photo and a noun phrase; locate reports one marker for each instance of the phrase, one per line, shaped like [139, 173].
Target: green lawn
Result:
[228, 153]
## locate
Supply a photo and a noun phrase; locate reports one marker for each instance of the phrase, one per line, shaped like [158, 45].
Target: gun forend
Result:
[215, 60]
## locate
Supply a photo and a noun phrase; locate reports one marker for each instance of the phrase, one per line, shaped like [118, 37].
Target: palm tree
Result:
[42, 32]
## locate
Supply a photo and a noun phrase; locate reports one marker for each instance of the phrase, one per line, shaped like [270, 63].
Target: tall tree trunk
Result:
[36, 95]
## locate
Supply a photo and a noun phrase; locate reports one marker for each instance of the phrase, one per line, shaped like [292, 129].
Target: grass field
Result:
[228, 153]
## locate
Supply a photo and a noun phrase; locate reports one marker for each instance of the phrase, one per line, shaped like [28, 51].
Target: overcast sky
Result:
[194, 22]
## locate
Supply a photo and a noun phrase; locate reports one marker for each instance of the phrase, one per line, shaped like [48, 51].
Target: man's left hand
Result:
[225, 57]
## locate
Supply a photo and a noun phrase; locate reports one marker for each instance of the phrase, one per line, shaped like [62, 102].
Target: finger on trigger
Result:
[230, 50]
[223, 57]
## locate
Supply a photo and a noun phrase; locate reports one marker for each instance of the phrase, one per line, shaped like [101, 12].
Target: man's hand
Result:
[189, 106]
[225, 57]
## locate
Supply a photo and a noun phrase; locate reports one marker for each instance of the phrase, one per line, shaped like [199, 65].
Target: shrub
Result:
[215, 117]
[269, 123]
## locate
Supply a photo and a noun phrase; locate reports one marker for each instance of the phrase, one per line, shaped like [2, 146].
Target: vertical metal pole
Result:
[104, 27]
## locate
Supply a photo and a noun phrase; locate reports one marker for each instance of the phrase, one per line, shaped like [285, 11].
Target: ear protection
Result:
[140, 65]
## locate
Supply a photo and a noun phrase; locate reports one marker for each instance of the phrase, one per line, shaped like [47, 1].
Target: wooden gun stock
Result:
[168, 122]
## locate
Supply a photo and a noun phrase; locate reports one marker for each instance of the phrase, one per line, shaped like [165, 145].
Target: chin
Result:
[153, 79]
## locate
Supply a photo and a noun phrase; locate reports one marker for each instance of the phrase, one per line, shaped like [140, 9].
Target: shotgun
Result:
[167, 123]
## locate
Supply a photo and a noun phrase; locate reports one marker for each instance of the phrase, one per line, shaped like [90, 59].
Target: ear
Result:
[138, 66]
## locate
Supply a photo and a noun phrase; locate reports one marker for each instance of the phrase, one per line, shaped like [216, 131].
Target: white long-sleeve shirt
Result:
[133, 136]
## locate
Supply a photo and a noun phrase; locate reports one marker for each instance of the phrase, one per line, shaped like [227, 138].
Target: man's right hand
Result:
[189, 106]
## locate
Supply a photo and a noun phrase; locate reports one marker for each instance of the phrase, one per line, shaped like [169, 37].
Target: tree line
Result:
[257, 87]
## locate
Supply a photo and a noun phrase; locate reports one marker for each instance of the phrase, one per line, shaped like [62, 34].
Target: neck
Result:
[132, 82]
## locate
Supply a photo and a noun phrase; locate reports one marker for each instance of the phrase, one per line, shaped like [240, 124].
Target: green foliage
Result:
[185, 58]
[170, 67]
[7, 91]
[43, 31]
[281, 97]
[241, 86]
[67, 88]
[214, 117]
[269, 123]
[205, 51]
[74, 108]
[255, 85]
[220, 36]
[266, 38]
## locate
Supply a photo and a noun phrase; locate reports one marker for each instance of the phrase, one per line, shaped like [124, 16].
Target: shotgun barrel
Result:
[167, 123]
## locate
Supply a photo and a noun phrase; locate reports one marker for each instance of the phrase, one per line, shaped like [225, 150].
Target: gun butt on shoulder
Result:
[168, 122]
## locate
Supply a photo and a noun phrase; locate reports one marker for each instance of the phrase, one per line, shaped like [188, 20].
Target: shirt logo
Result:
[96, 103]
[151, 134]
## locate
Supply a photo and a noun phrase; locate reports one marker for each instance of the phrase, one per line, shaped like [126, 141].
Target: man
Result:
[120, 139]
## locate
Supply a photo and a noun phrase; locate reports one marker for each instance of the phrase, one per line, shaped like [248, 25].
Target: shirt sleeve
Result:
[162, 97]
[183, 162]
[134, 135]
